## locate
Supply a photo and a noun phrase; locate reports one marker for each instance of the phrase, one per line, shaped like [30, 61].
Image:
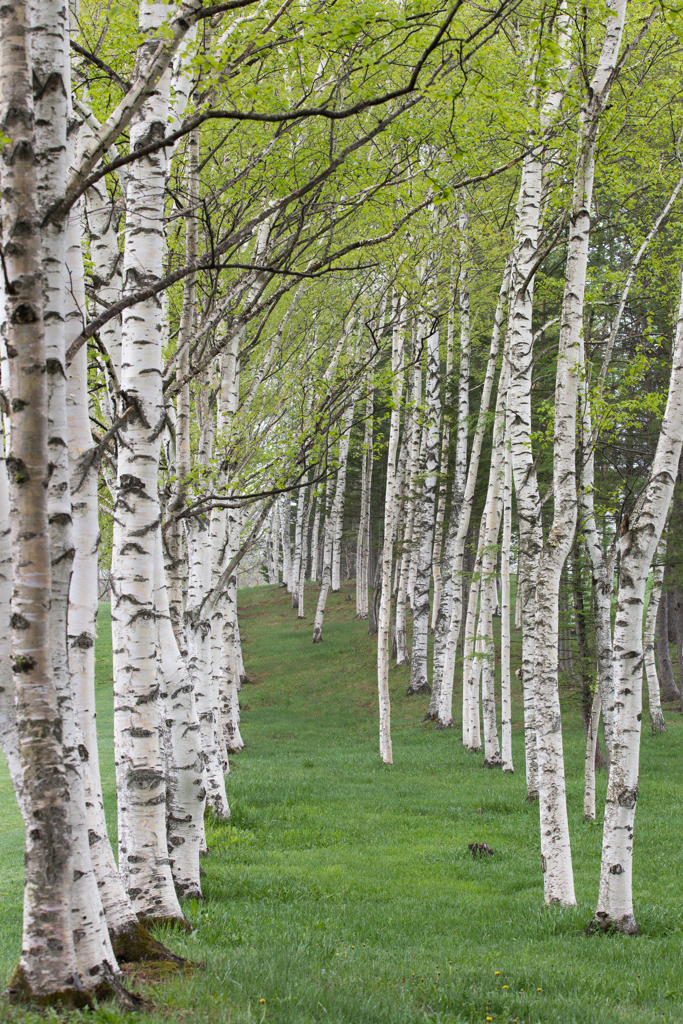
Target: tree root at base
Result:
[602, 923]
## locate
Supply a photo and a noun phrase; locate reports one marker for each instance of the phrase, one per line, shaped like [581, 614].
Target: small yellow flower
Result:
[489, 1018]
[496, 972]
[506, 986]
[538, 990]
[262, 1001]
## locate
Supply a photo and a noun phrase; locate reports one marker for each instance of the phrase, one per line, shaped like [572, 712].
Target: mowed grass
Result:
[343, 891]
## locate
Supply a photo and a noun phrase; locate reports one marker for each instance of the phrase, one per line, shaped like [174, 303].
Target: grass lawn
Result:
[343, 891]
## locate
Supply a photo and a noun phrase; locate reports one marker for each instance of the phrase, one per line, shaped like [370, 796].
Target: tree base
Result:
[450, 724]
[603, 923]
[317, 636]
[508, 771]
[531, 796]
[135, 944]
[422, 688]
[73, 996]
[492, 763]
[658, 724]
[474, 750]
[189, 891]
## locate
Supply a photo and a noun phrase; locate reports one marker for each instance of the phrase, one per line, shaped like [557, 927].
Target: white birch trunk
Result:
[286, 530]
[555, 845]
[487, 559]
[47, 969]
[443, 487]
[185, 793]
[9, 737]
[527, 216]
[332, 522]
[445, 685]
[315, 553]
[364, 539]
[638, 546]
[471, 672]
[304, 553]
[340, 496]
[274, 549]
[200, 665]
[140, 768]
[298, 534]
[505, 637]
[411, 483]
[589, 760]
[389, 530]
[419, 682]
[657, 722]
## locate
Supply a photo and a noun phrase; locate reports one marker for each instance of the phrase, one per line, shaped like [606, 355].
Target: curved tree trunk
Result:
[638, 546]
[555, 846]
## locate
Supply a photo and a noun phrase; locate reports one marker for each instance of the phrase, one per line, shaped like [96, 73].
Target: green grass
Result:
[343, 892]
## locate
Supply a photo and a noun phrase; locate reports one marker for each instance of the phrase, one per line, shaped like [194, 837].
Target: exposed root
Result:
[136, 944]
[492, 763]
[190, 891]
[72, 996]
[603, 923]
[422, 688]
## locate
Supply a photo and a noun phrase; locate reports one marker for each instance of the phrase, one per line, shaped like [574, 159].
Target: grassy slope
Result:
[343, 891]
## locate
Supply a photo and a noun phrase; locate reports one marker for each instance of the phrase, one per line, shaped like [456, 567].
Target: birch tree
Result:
[638, 545]
[555, 847]
[390, 510]
[418, 666]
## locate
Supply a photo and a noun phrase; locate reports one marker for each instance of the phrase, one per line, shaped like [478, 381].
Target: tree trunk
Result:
[464, 511]
[412, 440]
[364, 537]
[419, 682]
[637, 549]
[667, 683]
[656, 717]
[335, 513]
[505, 680]
[589, 760]
[296, 564]
[140, 769]
[389, 529]
[443, 484]
[47, 971]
